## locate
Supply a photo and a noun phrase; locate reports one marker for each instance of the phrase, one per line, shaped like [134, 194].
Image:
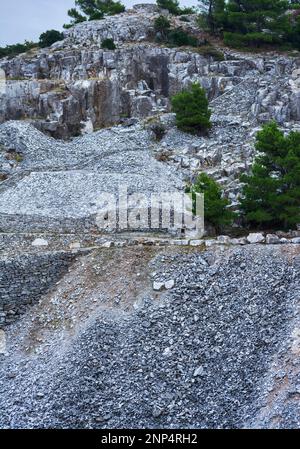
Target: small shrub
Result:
[191, 108]
[14, 156]
[159, 130]
[163, 156]
[187, 11]
[50, 37]
[180, 38]
[162, 26]
[170, 5]
[216, 211]
[108, 44]
[175, 37]
[3, 177]
[173, 7]
[209, 51]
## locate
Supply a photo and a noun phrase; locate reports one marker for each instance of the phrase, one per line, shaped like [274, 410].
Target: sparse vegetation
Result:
[16, 49]
[210, 51]
[173, 7]
[179, 38]
[46, 39]
[93, 10]
[175, 37]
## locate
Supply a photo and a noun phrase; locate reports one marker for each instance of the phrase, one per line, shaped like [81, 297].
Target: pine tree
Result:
[93, 10]
[50, 37]
[271, 195]
[293, 34]
[251, 22]
[256, 22]
[173, 7]
[191, 108]
[216, 211]
[162, 26]
[214, 18]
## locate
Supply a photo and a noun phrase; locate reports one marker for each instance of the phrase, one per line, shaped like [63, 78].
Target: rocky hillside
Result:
[100, 329]
[75, 87]
[218, 347]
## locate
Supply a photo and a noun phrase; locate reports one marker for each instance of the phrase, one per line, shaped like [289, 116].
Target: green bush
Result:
[180, 38]
[238, 40]
[173, 7]
[16, 49]
[293, 35]
[216, 211]
[191, 108]
[210, 51]
[108, 44]
[50, 37]
[271, 194]
[187, 11]
[162, 26]
[176, 37]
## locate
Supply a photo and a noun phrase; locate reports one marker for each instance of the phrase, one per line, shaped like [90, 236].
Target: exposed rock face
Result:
[75, 86]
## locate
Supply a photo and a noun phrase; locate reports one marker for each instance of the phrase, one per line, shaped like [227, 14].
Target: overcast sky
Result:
[27, 19]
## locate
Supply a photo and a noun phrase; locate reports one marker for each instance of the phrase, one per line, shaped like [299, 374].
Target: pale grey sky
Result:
[27, 19]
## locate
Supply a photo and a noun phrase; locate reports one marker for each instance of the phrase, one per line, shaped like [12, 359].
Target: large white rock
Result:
[199, 371]
[75, 245]
[40, 242]
[107, 245]
[255, 238]
[158, 286]
[296, 240]
[196, 242]
[224, 239]
[169, 284]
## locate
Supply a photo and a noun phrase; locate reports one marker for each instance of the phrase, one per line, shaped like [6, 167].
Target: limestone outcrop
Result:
[75, 86]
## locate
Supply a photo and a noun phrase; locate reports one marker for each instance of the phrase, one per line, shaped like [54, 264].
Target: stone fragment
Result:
[196, 242]
[272, 239]
[2, 342]
[199, 371]
[75, 245]
[255, 238]
[158, 286]
[169, 284]
[40, 242]
[296, 240]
